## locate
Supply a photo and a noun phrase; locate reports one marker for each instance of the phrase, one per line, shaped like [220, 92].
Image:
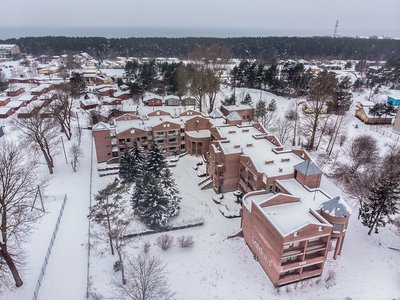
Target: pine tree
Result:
[149, 201]
[229, 100]
[132, 164]
[171, 191]
[260, 111]
[272, 106]
[382, 202]
[247, 100]
[108, 208]
[155, 162]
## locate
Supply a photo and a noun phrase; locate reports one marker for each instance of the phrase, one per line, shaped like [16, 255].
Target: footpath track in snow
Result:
[66, 274]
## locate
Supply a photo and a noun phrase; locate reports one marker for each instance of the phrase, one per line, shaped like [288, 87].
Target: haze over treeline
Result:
[262, 48]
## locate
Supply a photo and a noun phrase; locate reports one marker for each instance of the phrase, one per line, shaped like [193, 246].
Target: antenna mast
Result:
[336, 27]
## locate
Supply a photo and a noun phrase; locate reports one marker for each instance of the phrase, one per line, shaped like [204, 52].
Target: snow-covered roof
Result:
[4, 110]
[287, 218]
[336, 207]
[7, 46]
[90, 101]
[216, 113]
[101, 126]
[394, 94]
[244, 139]
[199, 134]
[14, 104]
[308, 168]
[312, 197]
[233, 116]
[171, 97]
[237, 107]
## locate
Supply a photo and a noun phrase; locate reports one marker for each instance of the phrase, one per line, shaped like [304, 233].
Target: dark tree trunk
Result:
[11, 265]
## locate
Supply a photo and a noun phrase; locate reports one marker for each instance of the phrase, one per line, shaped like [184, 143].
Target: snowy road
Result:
[65, 277]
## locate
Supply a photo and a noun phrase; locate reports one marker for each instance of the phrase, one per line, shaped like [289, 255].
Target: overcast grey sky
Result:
[283, 17]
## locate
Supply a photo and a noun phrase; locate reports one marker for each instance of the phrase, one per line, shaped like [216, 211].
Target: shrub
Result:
[330, 279]
[396, 223]
[117, 266]
[165, 241]
[186, 241]
[146, 247]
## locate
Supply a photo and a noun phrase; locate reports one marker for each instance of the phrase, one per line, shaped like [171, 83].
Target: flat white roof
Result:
[241, 140]
[205, 133]
[289, 217]
[312, 197]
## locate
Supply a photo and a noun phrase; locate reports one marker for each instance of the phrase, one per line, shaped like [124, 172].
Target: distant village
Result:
[250, 144]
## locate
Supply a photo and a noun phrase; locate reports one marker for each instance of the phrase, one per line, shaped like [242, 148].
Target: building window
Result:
[182, 146]
[182, 130]
[128, 140]
[337, 227]
[277, 190]
[271, 188]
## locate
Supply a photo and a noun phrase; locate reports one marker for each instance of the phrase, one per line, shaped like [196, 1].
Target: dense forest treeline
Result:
[262, 48]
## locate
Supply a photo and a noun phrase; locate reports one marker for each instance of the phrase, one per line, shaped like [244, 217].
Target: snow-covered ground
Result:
[221, 268]
[216, 267]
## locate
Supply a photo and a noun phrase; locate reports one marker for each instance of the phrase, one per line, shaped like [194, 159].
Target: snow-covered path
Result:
[65, 277]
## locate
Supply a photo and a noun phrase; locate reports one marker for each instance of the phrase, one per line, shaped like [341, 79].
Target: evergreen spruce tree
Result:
[171, 191]
[272, 106]
[382, 202]
[132, 164]
[229, 100]
[247, 100]
[137, 161]
[124, 166]
[260, 111]
[155, 162]
[149, 201]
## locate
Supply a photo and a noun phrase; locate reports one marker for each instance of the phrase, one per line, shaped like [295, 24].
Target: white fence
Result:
[90, 206]
[46, 259]
[392, 135]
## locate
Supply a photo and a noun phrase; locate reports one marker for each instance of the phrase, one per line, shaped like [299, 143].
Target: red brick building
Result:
[287, 221]
[246, 112]
[190, 131]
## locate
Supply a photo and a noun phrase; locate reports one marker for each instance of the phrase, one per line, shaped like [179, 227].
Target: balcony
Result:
[292, 264]
[316, 246]
[314, 257]
[292, 251]
[310, 271]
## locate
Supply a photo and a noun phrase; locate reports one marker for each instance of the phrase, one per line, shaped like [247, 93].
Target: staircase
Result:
[207, 183]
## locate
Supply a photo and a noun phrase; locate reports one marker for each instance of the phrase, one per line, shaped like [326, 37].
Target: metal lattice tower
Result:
[336, 27]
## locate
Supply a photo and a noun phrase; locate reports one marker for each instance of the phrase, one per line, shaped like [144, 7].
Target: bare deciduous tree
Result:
[264, 115]
[41, 134]
[76, 153]
[145, 279]
[18, 186]
[62, 109]
[283, 129]
[119, 231]
[363, 152]
[212, 87]
[3, 82]
[322, 90]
